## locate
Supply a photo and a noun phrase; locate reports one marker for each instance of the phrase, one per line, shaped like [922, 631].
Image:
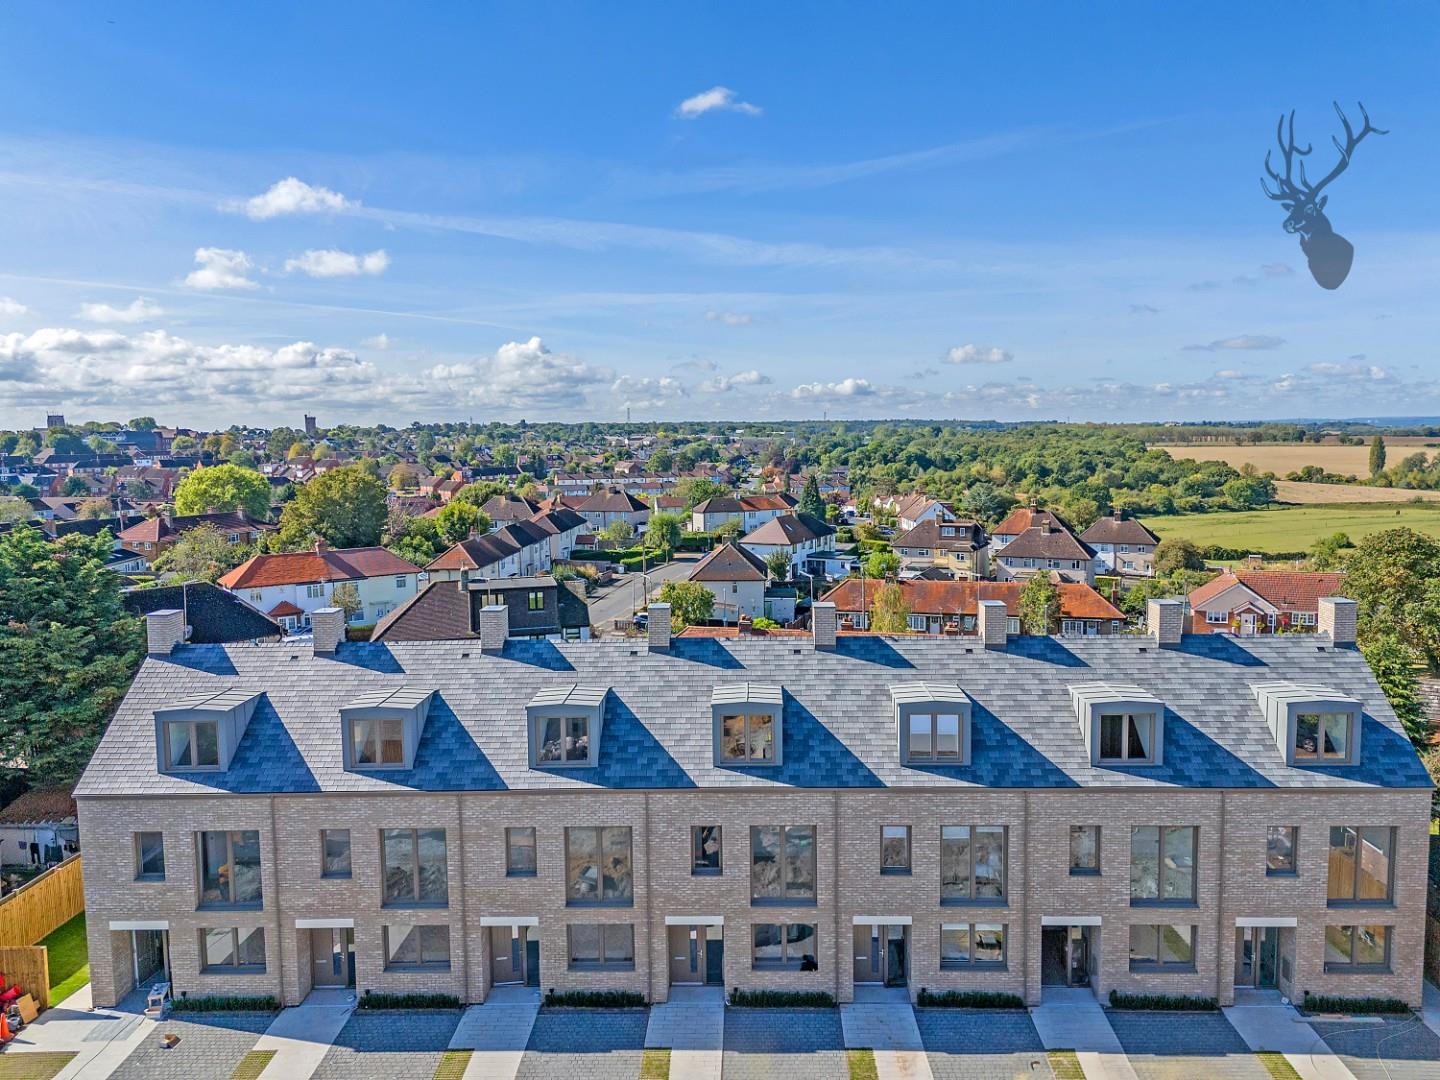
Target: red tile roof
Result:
[1024, 517]
[305, 567]
[1288, 590]
[1077, 601]
[283, 608]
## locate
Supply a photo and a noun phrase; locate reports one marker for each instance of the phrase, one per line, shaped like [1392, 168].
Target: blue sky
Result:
[393, 212]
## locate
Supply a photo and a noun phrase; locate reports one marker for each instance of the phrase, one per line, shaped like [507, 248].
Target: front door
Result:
[515, 955]
[1257, 962]
[881, 955]
[693, 959]
[152, 962]
[332, 956]
[1247, 623]
[1065, 956]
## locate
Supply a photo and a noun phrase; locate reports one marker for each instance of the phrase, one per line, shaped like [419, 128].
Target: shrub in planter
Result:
[1360, 1006]
[967, 999]
[594, 999]
[210, 1003]
[1162, 1002]
[781, 999]
[377, 1000]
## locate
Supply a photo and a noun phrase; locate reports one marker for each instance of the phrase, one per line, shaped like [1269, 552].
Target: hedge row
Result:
[215, 1003]
[1162, 1002]
[1360, 1006]
[594, 999]
[967, 999]
[376, 1000]
[781, 999]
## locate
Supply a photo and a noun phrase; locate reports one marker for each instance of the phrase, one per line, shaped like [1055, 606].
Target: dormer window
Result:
[193, 744]
[377, 742]
[747, 723]
[1121, 725]
[1312, 725]
[564, 726]
[1127, 736]
[201, 733]
[1322, 736]
[382, 729]
[934, 723]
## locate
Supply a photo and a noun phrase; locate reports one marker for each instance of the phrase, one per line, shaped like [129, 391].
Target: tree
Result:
[882, 564]
[346, 597]
[345, 507]
[1377, 455]
[67, 650]
[618, 531]
[985, 502]
[414, 539]
[729, 529]
[457, 520]
[1249, 492]
[142, 423]
[298, 449]
[201, 554]
[1181, 583]
[690, 603]
[810, 501]
[696, 489]
[1391, 577]
[221, 488]
[402, 477]
[479, 493]
[778, 563]
[75, 487]
[1328, 552]
[662, 534]
[181, 443]
[1039, 605]
[1395, 665]
[94, 509]
[1177, 553]
[890, 612]
[14, 510]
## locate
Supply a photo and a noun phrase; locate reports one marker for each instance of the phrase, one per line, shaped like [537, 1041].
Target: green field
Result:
[1294, 528]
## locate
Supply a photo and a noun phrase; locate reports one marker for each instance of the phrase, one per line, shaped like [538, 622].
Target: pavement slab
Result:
[1282, 1029]
[1397, 1048]
[692, 1026]
[889, 1029]
[211, 1045]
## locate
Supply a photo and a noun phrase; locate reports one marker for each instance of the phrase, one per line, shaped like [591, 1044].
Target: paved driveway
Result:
[784, 1044]
[385, 1045]
[585, 1044]
[1184, 1046]
[965, 1044]
[1395, 1049]
[210, 1047]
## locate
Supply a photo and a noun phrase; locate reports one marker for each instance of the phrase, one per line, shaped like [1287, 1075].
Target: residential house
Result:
[39, 827]
[737, 578]
[751, 511]
[913, 510]
[153, 536]
[451, 610]
[564, 527]
[818, 813]
[1045, 549]
[504, 509]
[520, 549]
[292, 585]
[1122, 546]
[1019, 520]
[958, 546]
[607, 506]
[1247, 602]
[953, 607]
[212, 615]
[797, 535]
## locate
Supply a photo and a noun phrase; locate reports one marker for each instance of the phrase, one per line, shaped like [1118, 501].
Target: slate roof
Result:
[560, 520]
[474, 552]
[1115, 529]
[927, 597]
[965, 536]
[838, 716]
[730, 562]
[1046, 542]
[213, 614]
[787, 530]
[612, 502]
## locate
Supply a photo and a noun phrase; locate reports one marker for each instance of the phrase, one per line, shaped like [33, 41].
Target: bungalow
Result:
[1044, 548]
[751, 511]
[1247, 602]
[304, 581]
[449, 610]
[952, 607]
[797, 535]
[152, 537]
[1122, 546]
[957, 546]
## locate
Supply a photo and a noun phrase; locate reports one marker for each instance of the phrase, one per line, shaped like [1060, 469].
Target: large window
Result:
[334, 853]
[1162, 864]
[149, 856]
[192, 744]
[411, 947]
[972, 864]
[600, 946]
[414, 867]
[895, 849]
[1280, 843]
[748, 738]
[933, 736]
[598, 868]
[782, 864]
[1127, 737]
[971, 946]
[232, 951]
[1084, 849]
[783, 946]
[1361, 870]
[230, 869]
[520, 852]
[705, 850]
[1357, 948]
[1162, 948]
[377, 743]
[564, 740]
[1322, 736]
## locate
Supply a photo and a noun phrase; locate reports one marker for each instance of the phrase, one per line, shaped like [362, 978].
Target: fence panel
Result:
[42, 905]
[28, 967]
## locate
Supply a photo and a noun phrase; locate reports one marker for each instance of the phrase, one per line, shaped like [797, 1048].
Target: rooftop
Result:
[321, 564]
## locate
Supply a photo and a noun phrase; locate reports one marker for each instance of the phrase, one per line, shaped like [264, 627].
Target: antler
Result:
[1288, 191]
[1351, 142]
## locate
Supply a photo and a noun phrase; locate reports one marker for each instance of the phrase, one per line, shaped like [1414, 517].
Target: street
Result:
[620, 599]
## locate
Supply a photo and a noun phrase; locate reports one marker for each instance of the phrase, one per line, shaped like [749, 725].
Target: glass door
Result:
[1267, 974]
[896, 955]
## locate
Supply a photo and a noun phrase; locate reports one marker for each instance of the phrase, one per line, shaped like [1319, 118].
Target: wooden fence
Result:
[28, 967]
[42, 905]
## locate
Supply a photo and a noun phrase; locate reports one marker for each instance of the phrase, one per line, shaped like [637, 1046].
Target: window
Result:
[400, 580]
[1280, 850]
[1357, 948]
[968, 946]
[1084, 849]
[597, 946]
[916, 623]
[408, 946]
[377, 742]
[1305, 618]
[1012, 625]
[705, 849]
[192, 744]
[933, 737]
[537, 600]
[564, 739]
[972, 864]
[1322, 736]
[1127, 736]
[1360, 865]
[895, 849]
[149, 856]
[256, 596]
[230, 869]
[783, 946]
[315, 592]
[233, 951]
[334, 853]
[520, 852]
[234, 538]
[598, 869]
[1217, 618]
[414, 867]
[1162, 864]
[1162, 948]
[782, 864]
[748, 737]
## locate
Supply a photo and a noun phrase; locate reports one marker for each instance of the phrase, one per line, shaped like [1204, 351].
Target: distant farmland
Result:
[1294, 491]
[1294, 528]
[1282, 458]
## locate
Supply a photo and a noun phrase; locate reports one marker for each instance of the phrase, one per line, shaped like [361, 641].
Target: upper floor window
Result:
[1322, 736]
[934, 722]
[377, 742]
[414, 867]
[537, 600]
[1312, 725]
[401, 580]
[747, 723]
[334, 853]
[598, 866]
[1120, 723]
[972, 864]
[1162, 864]
[782, 864]
[1280, 850]
[895, 849]
[149, 856]
[1361, 865]
[520, 852]
[192, 744]
[1357, 948]
[1084, 849]
[232, 951]
[564, 739]
[315, 592]
[1127, 736]
[230, 868]
[705, 850]
[747, 737]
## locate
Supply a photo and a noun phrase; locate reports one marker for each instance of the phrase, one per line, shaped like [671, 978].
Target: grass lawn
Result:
[1276, 1065]
[655, 1065]
[69, 959]
[1066, 1065]
[252, 1065]
[1294, 528]
[862, 1064]
[452, 1066]
[42, 1065]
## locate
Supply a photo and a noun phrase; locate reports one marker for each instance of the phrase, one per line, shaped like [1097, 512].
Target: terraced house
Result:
[1189, 814]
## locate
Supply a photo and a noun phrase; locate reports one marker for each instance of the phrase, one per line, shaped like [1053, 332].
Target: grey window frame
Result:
[785, 899]
[1293, 870]
[566, 758]
[230, 904]
[141, 874]
[1334, 967]
[1160, 964]
[1160, 899]
[1077, 870]
[785, 963]
[415, 870]
[975, 899]
[511, 870]
[933, 756]
[193, 742]
[1319, 756]
[415, 965]
[749, 715]
[903, 868]
[335, 875]
[972, 930]
[235, 967]
[381, 742]
[699, 868]
[1129, 725]
[602, 833]
[531, 600]
[1355, 900]
[604, 963]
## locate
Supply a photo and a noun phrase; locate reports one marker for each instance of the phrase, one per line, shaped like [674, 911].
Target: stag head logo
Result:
[1328, 253]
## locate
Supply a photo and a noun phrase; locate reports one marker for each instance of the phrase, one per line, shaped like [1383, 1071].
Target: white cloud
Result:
[845, 388]
[138, 310]
[220, 268]
[722, 384]
[327, 263]
[520, 375]
[716, 99]
[1353, 372]
[1242, 342]
[1229, 373]
[647, 393]
[379, 341]
[292, 196]
[11, 307]
[979, 354]
[729, 318]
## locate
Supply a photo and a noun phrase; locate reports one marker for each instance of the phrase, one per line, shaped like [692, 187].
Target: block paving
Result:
[585, 1044]
[1399, 1048]
[982, 1044]
[1184, 1046]
[792, 1044]
[385, 1045]
[210, 1047]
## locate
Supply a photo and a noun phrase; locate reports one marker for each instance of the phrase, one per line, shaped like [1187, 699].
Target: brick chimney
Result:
[1165, 621]
[327, 629]
[657, 626]
[494, 627]
[1337, 618]
[824, 624]
[164, 629]
[321, 546]
[992, 624]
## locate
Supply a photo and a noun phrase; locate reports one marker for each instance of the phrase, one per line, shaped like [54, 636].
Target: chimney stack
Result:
[657, 626]
[327, 630]
[1337, 618]
[164, 630]
[321, 546]
[494, 627]
[1165, 621]
[993, 623]
[824, 624]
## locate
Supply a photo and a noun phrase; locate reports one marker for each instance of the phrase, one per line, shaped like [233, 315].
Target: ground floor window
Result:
[602, 946]
[1357, 948]
[409, 947]
[231, 950]
[1162, 948]
[972, 946]
[783, 947]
